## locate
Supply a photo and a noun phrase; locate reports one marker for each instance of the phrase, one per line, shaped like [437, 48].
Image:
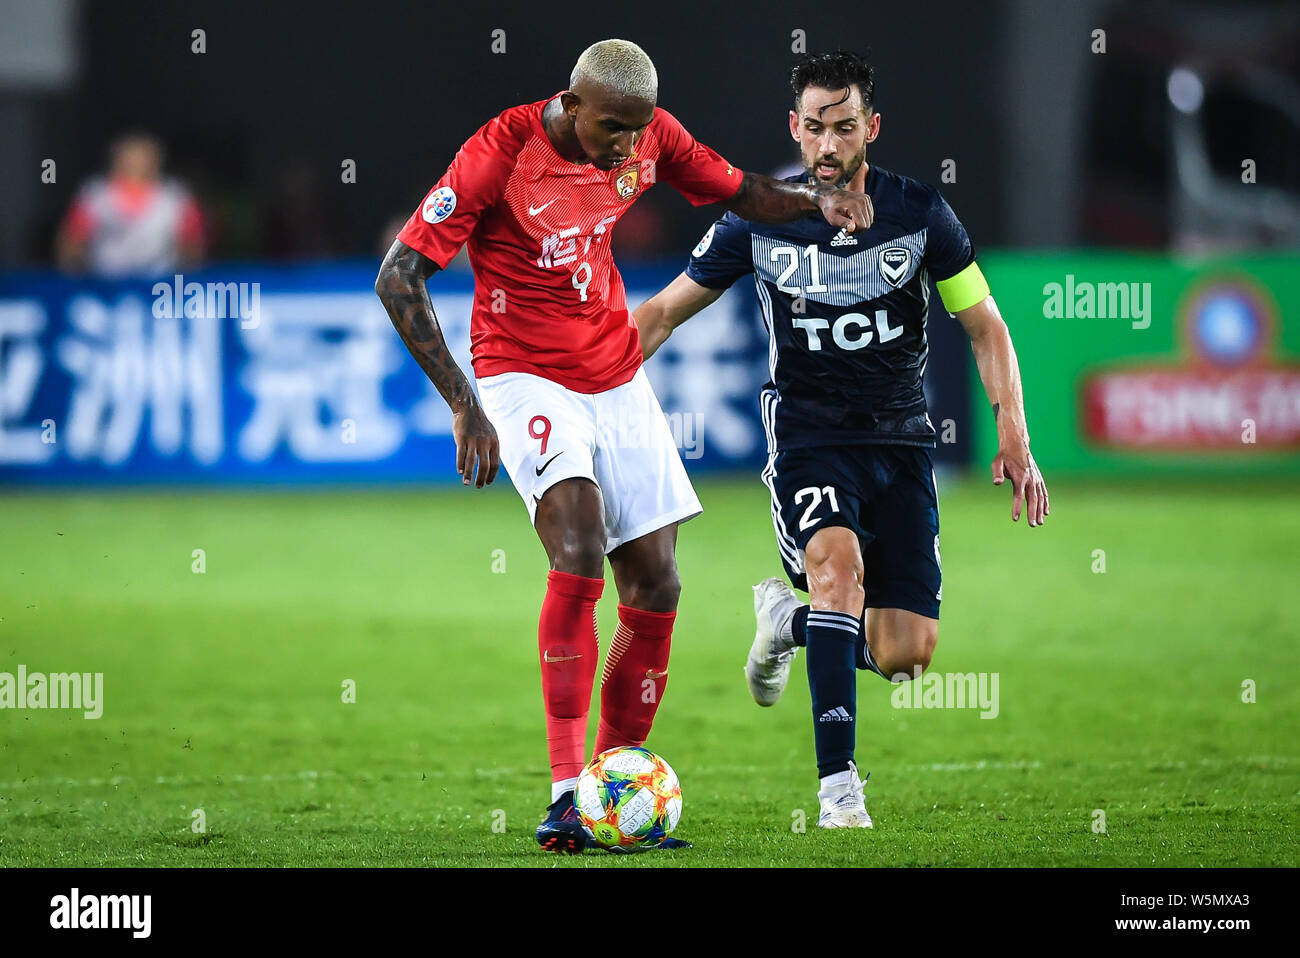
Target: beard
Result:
[848, 169]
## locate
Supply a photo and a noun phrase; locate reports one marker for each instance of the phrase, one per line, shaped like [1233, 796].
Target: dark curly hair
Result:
[834, 71]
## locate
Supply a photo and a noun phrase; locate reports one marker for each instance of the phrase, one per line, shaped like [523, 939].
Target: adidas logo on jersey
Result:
[844, 239]
[837, 714]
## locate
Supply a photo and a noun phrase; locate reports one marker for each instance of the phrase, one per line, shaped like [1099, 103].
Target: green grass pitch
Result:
[1120, 691]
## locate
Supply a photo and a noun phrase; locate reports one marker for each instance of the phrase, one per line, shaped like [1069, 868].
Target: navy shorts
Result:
[885, 494]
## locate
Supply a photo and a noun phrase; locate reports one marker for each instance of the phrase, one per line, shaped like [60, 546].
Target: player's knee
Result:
[580, 554]
[909, 654]
[656, 590]
[835, 584]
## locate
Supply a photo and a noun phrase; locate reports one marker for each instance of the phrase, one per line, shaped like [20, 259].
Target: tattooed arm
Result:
[402, 289]
[767, 200]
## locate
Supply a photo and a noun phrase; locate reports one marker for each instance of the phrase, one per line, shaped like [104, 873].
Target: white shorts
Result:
[618, 439]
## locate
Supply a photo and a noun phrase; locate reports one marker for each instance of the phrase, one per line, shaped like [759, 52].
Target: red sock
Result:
[567, 648]
[636, 674]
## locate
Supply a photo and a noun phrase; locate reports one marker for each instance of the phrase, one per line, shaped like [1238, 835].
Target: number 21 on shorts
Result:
[808, 520]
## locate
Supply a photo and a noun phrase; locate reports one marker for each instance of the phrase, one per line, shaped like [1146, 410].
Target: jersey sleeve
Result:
[694, 170]
[951, 258]
[723, 255]
[473, 183]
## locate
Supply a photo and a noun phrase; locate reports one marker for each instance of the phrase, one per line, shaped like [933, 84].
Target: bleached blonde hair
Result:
[618, 65]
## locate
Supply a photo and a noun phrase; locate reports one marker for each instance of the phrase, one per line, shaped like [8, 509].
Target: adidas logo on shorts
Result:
[844, 239]
[837, 714]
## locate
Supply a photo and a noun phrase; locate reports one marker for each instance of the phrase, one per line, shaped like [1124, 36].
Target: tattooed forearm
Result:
[401, 288]
[767, 200]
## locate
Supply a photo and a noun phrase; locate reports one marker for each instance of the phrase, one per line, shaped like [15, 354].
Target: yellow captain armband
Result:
[968, 288]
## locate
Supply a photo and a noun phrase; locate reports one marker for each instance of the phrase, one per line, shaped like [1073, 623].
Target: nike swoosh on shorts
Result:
[542, 468]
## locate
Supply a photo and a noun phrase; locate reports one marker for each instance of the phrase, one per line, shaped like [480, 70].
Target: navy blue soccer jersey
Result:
[845, 312]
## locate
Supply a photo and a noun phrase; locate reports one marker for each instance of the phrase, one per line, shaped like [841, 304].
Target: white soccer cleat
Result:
[841, 801]
[768, 667]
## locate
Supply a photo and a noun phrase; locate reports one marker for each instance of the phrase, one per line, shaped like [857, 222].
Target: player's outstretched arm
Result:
[1000, 372]
[402, 288]
[766, 200]
[667, 309]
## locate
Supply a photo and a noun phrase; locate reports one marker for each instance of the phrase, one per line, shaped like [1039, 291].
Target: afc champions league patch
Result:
[703, 246]
[894, 264]
[439, 205]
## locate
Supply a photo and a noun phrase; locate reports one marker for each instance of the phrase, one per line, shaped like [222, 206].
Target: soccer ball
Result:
[628, 796]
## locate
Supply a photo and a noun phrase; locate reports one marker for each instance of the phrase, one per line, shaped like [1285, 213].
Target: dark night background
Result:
[1045, 144]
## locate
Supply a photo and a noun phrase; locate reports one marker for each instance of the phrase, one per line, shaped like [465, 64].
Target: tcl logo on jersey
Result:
[439, 205]
[851, 331]
[894, 264]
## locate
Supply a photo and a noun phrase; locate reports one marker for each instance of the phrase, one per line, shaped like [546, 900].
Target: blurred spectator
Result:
[132, 221]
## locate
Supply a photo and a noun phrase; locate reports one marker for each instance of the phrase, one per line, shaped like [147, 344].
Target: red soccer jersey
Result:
[548, 299]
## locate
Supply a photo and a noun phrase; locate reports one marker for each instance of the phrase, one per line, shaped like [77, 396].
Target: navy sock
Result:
[861, 652]
[799, 626]
[833, 681]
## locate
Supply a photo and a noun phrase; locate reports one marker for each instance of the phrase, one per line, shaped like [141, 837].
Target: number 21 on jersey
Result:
[793, 256]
